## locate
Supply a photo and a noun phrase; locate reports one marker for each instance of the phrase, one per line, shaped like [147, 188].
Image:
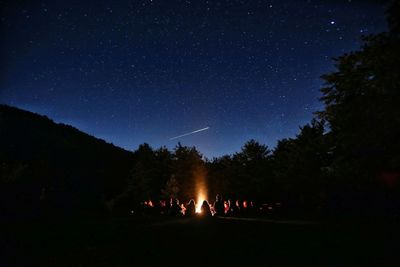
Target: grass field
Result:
[199, 242]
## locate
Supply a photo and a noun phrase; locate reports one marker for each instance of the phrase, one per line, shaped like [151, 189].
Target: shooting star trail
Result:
[186, 134]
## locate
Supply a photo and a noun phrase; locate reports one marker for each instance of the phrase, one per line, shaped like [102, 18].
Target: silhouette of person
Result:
[164, 207]
[219, 206]
[226, 207]
[252, 211]
[191, 208]
[239, 207]
[205, 209]
[244, 208]
[233, 209]
[175, 209]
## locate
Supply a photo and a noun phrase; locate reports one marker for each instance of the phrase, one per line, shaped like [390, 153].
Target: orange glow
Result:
[200, 198]
[201, 188]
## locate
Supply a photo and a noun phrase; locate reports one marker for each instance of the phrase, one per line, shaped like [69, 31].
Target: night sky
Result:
[131, 72]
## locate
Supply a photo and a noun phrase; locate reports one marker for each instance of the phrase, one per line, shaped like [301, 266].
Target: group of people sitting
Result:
[219, 208]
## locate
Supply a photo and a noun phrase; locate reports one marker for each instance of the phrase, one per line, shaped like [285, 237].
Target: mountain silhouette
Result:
[53, 168]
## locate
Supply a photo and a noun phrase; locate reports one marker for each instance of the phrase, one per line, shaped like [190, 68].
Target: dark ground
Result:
[201, 242]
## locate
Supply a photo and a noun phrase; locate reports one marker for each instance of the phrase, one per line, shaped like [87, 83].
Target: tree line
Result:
[347, 158]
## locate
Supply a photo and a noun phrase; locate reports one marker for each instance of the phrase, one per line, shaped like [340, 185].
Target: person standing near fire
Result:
[219, 206]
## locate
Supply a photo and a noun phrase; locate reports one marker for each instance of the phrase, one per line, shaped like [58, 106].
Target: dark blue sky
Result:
[145, 71]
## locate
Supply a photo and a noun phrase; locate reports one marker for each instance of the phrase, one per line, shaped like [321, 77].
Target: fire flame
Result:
[200, 187]
[200, 198]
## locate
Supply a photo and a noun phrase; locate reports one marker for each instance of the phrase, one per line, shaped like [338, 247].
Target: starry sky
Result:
[131, 72]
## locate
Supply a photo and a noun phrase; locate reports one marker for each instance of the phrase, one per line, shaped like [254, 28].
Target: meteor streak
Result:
[186, 134]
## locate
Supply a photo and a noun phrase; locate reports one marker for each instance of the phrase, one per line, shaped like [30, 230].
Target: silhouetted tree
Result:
[300, 166]
[188, 168]
[362, 109]
[221, 175]
[150, 173]
[361, 106]
[252, 172]
[144, 174]
[171, 188]
[393, 14]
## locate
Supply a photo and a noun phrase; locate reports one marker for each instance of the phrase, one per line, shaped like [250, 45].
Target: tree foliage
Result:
[362, 108]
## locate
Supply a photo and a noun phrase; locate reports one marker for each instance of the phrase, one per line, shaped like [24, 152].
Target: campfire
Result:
[199, 201]
[201, 188]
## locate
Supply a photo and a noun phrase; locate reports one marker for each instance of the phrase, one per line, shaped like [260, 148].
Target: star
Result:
[169, 66]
